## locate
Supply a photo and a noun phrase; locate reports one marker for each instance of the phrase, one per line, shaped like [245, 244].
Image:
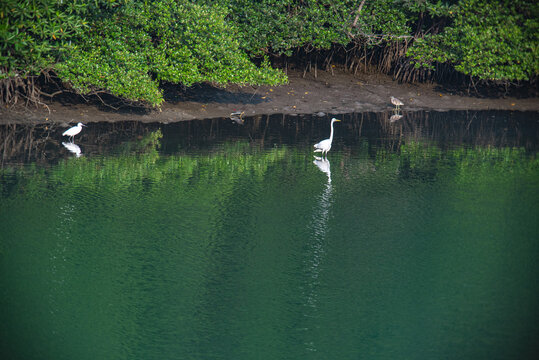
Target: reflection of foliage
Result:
[140, 164]
[139, 215]
[147, 144]
[422, 160]
[425, 161]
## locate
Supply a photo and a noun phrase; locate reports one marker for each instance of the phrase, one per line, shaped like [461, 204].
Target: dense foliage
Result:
[492, 40]
[127, 48]
[281, 26]
[34, 34]
[141, 44]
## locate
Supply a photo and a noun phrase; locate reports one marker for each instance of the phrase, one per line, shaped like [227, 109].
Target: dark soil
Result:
[330, 93]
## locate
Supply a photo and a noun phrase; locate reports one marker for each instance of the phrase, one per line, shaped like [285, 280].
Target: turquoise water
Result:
[417, 239]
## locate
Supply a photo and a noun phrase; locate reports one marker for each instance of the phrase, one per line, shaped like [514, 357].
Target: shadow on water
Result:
[42, 143]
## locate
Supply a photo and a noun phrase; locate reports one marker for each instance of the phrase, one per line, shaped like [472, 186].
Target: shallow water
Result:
[416, 239]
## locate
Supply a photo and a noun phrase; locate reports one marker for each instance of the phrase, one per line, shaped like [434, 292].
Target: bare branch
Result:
[358, 12]
[96, 93]
[51, 95]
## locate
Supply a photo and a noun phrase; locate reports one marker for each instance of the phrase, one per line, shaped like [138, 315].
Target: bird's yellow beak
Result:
[337, 120]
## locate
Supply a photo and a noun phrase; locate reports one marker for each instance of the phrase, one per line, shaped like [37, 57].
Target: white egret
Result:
[71, 132]
[325, 145]
[396, 102]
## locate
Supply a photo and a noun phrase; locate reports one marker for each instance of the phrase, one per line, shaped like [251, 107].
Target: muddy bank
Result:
[328, 93]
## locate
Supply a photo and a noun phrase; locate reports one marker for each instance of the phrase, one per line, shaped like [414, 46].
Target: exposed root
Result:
[31, 90]
[26, 88]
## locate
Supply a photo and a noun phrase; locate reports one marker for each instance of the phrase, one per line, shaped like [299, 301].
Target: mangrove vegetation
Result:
[129, 49]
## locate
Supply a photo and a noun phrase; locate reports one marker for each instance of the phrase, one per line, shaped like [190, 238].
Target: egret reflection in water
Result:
[73, 148]
[324, 166]
[322, 211]
[316, 249]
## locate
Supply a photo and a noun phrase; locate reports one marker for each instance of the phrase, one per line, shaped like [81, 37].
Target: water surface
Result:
[416, 239]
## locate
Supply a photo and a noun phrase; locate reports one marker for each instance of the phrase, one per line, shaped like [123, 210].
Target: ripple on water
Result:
[223, 241]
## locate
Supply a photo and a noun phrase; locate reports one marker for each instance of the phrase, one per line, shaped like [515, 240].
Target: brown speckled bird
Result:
[396, 102]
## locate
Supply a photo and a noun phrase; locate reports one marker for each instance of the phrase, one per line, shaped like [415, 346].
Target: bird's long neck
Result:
[331, 133]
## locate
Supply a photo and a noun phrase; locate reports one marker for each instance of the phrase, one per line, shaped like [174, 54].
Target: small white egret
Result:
[325, 145]
[396, 102]
[71, 132]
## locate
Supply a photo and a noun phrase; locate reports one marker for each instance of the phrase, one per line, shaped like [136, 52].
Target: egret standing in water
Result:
[396, 102]
[325, 145]
[71, 132]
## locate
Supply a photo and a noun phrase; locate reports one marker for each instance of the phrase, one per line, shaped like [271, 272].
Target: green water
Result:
[210, 240]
